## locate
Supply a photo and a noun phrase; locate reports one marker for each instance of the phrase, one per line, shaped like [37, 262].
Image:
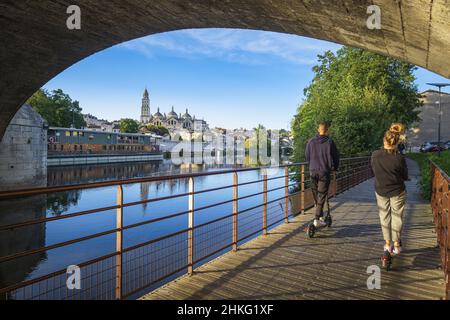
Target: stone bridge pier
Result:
[23, 151]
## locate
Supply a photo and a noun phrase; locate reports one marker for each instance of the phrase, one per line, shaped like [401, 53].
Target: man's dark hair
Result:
[326, 124]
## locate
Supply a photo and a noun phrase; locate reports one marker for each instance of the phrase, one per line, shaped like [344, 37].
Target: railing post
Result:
[264, 202]
[119, 242]
[302, 188]
[191, 227]
[235, 211]
[286, 195]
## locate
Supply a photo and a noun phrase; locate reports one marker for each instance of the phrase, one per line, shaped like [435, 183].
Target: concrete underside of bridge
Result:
[36, 45]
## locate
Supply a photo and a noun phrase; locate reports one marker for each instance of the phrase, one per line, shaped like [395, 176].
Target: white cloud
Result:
[239, 46]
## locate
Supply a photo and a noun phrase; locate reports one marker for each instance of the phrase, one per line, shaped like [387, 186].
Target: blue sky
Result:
[231, 78]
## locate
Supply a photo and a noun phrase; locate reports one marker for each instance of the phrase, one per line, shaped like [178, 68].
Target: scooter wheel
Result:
[311, 230]
[386, 261]
[329, 221]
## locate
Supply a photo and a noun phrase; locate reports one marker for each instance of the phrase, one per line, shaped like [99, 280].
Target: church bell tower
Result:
[145, 109]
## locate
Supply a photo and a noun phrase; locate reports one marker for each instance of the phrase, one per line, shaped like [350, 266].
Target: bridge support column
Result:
[23, 152]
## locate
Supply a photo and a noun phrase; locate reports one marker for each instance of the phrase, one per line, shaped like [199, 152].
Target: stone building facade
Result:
[426, 130]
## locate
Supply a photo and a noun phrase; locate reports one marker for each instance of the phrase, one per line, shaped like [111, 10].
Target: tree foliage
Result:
[159, 130]
[57, 108]
[128, 126]
[361, 93]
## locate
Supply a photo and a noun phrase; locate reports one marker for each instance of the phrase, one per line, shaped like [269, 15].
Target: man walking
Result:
[322, 156]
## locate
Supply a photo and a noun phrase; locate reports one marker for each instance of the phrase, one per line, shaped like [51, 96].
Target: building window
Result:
[67, 133]
[75, 134]
[104, 147]
[62, 147]
[75, 147]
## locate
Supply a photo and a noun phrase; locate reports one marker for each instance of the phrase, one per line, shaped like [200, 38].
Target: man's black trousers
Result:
[320, 182]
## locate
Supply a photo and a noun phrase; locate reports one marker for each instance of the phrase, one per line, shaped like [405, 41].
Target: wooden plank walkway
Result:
[287, 265]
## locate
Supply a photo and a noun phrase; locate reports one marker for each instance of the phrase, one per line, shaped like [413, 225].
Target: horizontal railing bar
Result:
[212, 221]
[139, 224]
[65, 216]
[92, 185]
[154, 240]
[250, 235]
[125, 205]
[100, 234]
[55, 246]
[54, 274]
[213, 253]
[443, 173]
[155, 281]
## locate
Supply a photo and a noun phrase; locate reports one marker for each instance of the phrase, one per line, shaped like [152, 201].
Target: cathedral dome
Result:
[187, 115]
[158, 115]
[172, 114]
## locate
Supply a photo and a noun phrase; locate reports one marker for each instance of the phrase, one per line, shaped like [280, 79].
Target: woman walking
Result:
[391, 172]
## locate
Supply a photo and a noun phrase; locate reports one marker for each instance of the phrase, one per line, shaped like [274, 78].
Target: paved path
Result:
[287, 265]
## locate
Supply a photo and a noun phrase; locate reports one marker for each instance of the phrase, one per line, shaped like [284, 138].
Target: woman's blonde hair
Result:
[394, 135]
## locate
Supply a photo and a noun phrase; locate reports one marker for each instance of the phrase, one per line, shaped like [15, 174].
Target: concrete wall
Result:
[427, 129]
[64, 161]
[23, 152]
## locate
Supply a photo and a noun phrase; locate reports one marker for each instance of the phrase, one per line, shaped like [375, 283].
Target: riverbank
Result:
[101, 159]
[423, 159]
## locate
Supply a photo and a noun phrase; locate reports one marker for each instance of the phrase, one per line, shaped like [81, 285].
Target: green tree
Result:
[57, 108]
[129, 126]
[159, 130]
[361, 93]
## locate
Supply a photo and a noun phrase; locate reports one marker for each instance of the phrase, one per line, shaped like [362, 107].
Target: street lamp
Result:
[440, 86]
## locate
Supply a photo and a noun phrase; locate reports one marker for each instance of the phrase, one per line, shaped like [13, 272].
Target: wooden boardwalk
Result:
[287, 265]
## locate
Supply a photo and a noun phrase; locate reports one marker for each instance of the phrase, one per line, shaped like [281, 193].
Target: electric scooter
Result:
[386, 260]
[312, 229]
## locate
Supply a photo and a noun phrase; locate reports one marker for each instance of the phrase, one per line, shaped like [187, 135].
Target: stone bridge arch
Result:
[36, 45]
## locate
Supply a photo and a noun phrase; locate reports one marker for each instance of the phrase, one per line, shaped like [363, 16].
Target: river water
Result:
[27, 238]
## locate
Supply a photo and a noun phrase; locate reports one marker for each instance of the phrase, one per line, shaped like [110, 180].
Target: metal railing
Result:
[440, 204]
[128, 270]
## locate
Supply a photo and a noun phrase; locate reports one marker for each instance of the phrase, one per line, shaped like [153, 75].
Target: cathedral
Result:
[172, 120]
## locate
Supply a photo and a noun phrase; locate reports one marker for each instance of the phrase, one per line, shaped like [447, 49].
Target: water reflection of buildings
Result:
[21, 239]
[65, 175]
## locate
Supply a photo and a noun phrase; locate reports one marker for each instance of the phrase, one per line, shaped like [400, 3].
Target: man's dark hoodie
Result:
[322, 155]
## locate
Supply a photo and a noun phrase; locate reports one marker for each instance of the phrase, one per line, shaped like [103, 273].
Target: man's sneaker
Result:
[319, 223]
